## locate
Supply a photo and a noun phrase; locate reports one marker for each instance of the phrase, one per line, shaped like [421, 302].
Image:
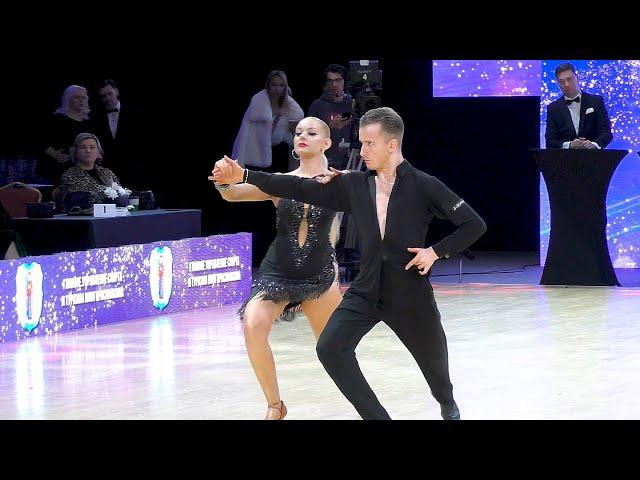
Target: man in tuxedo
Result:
[392, 205]
[119, 129]
[577, 119]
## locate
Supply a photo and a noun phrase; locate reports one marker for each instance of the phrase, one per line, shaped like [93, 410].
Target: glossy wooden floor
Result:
[516, 352]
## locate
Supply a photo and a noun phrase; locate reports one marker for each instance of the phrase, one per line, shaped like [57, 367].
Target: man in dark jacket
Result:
[577, 119]
[392, 205]
[335, 108]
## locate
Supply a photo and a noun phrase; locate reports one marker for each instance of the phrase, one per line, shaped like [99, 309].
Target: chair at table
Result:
[15, 196]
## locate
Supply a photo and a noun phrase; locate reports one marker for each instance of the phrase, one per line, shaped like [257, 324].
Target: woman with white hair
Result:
[69, 119]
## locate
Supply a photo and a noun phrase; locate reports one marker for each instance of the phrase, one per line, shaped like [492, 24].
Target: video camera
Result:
[365, 83]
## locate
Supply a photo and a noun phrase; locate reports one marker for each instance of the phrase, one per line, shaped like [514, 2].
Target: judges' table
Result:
[65, 233]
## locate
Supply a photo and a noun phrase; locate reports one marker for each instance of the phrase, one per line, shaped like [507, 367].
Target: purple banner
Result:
[48, 294]
[486, 78]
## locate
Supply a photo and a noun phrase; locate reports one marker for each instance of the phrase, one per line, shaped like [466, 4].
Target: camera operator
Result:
[335, 107]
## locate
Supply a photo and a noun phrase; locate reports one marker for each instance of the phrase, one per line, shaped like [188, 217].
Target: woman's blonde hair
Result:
[81, 137]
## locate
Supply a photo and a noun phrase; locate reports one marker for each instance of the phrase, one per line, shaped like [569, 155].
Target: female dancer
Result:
[299, 268]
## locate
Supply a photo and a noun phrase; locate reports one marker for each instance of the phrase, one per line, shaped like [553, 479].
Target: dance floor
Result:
[516, 351]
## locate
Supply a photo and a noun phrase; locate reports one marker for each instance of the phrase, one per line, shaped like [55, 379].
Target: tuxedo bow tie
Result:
[569, 102]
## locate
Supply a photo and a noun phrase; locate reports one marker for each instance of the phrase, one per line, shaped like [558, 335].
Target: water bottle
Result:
[343, 146]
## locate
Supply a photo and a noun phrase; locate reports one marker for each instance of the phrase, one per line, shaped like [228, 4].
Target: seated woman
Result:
[85, 175]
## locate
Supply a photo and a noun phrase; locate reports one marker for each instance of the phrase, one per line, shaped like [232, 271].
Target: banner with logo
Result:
[48, 294]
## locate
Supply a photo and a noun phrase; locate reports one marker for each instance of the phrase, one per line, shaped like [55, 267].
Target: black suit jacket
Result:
[594, 126]
[415, 199]
[123, 154]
